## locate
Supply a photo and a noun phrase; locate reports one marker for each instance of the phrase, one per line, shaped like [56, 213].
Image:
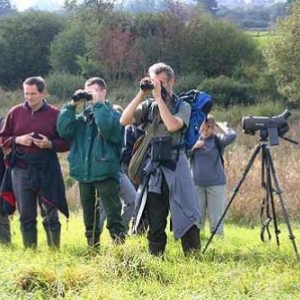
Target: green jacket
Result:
[97, 139]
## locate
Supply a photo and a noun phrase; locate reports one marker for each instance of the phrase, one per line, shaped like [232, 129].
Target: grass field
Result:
[238, 266]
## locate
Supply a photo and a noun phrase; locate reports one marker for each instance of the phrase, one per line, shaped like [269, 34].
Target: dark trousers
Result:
[27, 197]
[108, 191]
[157, 209]
[5, 234]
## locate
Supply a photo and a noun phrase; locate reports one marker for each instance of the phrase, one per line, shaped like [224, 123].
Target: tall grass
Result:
[238, 266]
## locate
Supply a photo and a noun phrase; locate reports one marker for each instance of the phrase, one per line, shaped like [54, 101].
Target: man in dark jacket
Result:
[34, 172]
[97, 139]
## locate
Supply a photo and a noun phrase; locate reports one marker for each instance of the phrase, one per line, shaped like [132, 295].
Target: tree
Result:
[283, 54]
[66, 47]
[25, 41]
[118, 55]
[216, 48]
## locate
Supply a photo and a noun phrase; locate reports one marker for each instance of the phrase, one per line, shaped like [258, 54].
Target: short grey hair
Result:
[161, 67]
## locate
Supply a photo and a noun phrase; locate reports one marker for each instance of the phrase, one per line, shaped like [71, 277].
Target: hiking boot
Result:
[30, 238]
[53, 239]
[5, 235]
[190, 241]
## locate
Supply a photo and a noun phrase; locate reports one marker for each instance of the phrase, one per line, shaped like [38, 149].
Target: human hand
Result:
[41, 141]
[75, 100]
[24, 140]
[146, 85]
[198, 145]
[156, 92]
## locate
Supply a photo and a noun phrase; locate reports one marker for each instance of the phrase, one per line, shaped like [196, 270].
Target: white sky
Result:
[24, 4]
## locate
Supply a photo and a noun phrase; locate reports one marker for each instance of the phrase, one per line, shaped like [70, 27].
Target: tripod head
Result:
[270, 128]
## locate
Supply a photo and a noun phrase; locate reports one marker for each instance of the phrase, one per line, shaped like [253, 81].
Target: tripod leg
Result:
[268, 200]
[279, 193]
[270, 190]
[265, 203]
[235, 190]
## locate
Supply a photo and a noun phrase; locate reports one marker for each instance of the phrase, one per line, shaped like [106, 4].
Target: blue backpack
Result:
[201, 104]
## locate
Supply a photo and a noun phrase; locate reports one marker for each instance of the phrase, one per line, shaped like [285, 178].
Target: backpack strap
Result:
[220, 148]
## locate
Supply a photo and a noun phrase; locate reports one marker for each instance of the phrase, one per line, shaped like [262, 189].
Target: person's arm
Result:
[59, 144]
[108, 122]
[127, 117]
[66, 121]
[228, 136]
[8, 137]
[173, 123]
[198, 145]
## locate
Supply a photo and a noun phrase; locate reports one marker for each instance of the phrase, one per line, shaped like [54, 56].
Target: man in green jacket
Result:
[97, 139]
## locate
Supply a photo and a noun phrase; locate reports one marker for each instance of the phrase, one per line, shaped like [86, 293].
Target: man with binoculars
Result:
[97, 139]
[167, 182]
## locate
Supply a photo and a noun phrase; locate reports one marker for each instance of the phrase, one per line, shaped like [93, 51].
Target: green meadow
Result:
[237, 266]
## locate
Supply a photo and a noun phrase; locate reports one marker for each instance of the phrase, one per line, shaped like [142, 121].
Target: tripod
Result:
[268, 179]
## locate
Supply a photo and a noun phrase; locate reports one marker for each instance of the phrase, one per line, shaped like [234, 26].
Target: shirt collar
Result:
[44, 107]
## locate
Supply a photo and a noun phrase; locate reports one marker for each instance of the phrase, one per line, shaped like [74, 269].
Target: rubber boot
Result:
[156, 248]
[53, 239]
[190, 241]
[30, 238]
[5, 235]
[94, 241]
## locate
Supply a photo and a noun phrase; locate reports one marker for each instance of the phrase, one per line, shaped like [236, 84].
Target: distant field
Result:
[262, 38]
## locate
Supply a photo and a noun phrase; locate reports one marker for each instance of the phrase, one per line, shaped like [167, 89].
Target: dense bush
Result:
[283, 54]
[9, 99]
[25, 41]
[122, 94]
[61, 86]
[235, 113]
[187, 82]
[228, 91]
[66, 47]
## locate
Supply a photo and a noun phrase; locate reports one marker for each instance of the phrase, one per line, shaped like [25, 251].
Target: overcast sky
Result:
[24, 4]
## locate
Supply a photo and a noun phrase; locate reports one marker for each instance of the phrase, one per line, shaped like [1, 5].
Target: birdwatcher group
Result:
[138, 167]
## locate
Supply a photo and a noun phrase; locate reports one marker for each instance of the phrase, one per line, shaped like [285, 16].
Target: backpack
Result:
[220, 148]
[201, 104]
